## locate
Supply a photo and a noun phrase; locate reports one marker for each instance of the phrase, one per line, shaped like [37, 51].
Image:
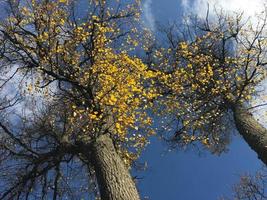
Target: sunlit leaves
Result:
[205, 78]
[107, 90]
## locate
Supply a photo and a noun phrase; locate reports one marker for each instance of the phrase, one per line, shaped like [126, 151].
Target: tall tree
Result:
[84, 60]
[97, 96]
[214, 69]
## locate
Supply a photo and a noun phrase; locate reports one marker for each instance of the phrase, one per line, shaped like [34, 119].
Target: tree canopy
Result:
[100, 85]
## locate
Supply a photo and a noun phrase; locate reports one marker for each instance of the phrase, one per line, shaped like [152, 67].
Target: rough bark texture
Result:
[252, 131]
[114, 179]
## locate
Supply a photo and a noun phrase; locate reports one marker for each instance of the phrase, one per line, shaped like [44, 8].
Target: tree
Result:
[98, 97]
[250, 187]
[37, 163]
[213, 70]
[85, 67]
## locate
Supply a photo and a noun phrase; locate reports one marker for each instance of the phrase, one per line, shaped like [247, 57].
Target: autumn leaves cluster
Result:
[98, 64]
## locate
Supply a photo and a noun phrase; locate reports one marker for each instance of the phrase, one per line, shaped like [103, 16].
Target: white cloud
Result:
[148, 15]
[17, 87]
[185, 4]
[248, 7]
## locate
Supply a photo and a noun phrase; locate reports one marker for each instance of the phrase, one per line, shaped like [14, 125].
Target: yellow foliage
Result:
[107, 90]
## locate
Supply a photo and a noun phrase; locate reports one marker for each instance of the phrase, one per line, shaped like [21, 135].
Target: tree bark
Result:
[114, 179]
[251, 130]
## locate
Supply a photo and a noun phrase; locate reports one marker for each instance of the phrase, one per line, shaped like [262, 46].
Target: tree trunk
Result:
[251, 130]
[114, 179]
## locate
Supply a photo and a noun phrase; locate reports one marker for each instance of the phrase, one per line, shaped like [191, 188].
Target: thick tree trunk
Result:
[251, 130]
[114, 179]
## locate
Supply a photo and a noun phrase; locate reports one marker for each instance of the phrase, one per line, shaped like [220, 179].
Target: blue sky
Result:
[190, 176]
[187, 175]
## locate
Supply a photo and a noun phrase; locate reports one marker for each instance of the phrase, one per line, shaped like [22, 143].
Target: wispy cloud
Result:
[199, 7]
[148, 15]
